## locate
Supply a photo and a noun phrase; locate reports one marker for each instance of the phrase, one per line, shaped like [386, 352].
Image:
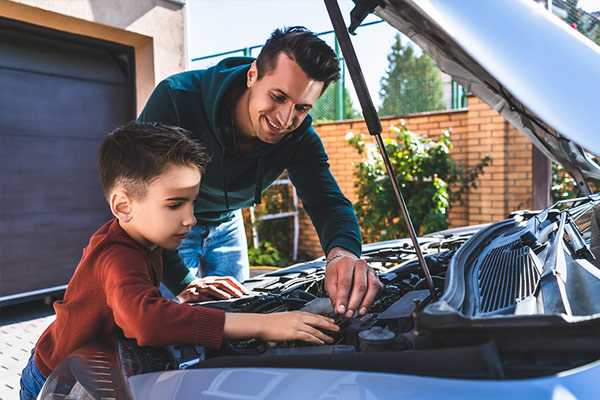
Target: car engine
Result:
[496, 288]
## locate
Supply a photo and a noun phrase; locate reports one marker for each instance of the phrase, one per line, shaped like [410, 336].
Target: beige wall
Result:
[155, 28]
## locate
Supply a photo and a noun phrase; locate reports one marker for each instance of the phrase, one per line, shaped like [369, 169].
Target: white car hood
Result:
[537, 72]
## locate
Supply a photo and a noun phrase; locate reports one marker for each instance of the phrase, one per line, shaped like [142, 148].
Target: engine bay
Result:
[495, 289]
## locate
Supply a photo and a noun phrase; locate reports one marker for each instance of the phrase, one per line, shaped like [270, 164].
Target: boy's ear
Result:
[120, 205]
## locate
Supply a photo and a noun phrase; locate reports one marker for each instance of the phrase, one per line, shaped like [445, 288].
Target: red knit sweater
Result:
[116, 284]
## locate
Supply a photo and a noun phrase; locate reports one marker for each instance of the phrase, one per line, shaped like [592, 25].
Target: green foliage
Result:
[563, 185]
[411, 84]
[574, 15]
[429, 179]
[324, 110]
[266, 254]
[584, 22]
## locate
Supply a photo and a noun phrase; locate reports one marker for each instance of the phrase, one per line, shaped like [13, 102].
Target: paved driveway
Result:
[20, 327]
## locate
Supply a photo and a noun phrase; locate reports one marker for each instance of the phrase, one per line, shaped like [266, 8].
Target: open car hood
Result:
[529, 66]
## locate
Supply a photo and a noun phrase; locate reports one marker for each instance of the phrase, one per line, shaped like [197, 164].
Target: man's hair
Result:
[134, 154]
[312, 54]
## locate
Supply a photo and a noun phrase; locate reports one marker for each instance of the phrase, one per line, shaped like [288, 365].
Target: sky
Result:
[216, 26]
[251, 22]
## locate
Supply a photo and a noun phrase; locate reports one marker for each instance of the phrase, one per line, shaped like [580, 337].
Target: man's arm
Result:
[350, 283]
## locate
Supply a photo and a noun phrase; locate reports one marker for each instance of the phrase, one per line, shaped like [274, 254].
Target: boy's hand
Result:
[280, 327]
[212, 288]
[297, 325]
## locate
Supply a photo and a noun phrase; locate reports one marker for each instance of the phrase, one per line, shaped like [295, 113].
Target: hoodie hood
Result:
[218, 82]
[531, 67]
[221, 86]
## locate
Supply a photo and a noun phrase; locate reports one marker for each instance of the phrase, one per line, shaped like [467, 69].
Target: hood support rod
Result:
[374, 125]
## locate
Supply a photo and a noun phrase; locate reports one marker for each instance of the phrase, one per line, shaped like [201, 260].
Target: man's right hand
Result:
[280, 327]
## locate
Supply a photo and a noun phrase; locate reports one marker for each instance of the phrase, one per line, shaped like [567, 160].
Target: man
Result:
[252, 116]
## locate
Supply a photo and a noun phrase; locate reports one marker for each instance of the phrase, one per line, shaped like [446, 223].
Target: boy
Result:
[150, 175]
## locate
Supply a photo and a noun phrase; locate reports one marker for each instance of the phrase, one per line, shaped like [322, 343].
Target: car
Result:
[512, 308]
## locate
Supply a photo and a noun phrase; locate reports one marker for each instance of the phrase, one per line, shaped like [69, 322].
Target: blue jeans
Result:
[215, 250]
[32, 380]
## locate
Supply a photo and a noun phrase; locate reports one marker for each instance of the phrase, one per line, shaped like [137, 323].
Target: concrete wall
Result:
[154, 28]
[504, 186]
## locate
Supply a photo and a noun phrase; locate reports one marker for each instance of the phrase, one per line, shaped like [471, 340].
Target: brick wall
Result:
[505, 185]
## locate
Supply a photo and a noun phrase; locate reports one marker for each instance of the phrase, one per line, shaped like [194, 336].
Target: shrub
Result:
[430, 181]
[265, 254]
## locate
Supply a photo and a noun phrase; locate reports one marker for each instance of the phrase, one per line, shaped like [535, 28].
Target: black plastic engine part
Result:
[312, 350]
[185, 356]
[377, 338]
[477, 362]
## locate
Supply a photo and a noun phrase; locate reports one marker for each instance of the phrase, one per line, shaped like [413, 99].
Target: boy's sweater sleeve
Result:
[330, 211]
[143, 314]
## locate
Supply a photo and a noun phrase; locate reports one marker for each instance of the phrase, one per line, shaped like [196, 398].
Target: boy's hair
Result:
[134, 154]
[312, 54]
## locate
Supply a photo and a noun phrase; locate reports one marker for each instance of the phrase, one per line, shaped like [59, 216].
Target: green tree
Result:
[429, 179]
[411, 84]
[324, 110]
[573, 17]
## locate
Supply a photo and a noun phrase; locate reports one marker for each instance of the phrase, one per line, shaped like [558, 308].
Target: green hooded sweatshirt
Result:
[202, 102]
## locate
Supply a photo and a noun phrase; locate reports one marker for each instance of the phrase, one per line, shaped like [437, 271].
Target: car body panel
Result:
[291, 384]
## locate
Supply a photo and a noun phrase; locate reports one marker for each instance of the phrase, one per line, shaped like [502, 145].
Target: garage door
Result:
[59, 96]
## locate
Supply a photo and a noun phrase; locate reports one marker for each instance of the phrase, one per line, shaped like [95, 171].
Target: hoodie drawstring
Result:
[259, 181]
[225, 183]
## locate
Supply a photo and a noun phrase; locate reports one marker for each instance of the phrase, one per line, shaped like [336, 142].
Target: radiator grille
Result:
[505, 275]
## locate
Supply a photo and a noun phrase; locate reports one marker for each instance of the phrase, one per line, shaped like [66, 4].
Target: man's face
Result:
[281, 99]
[166, 213]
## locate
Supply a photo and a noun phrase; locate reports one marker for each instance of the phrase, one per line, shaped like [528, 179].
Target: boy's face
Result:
[165, 214]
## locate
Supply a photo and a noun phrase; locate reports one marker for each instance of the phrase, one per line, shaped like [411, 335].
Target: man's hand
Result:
[212, 288]
[350, 282]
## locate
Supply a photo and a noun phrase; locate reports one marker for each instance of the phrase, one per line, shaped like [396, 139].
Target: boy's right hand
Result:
[280, 327]
[297, 325]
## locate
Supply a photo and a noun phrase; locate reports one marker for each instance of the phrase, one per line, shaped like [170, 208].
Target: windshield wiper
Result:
[552, 283]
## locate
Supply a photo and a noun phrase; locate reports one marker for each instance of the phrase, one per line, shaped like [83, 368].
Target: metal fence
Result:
[336, 103]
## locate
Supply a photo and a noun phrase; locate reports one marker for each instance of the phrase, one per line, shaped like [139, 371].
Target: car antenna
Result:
[373, 124]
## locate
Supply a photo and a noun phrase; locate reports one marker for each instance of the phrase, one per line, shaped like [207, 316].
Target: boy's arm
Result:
[143, 314]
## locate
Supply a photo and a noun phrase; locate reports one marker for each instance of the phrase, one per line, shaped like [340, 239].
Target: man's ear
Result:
[252, 75]
[120, 205]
